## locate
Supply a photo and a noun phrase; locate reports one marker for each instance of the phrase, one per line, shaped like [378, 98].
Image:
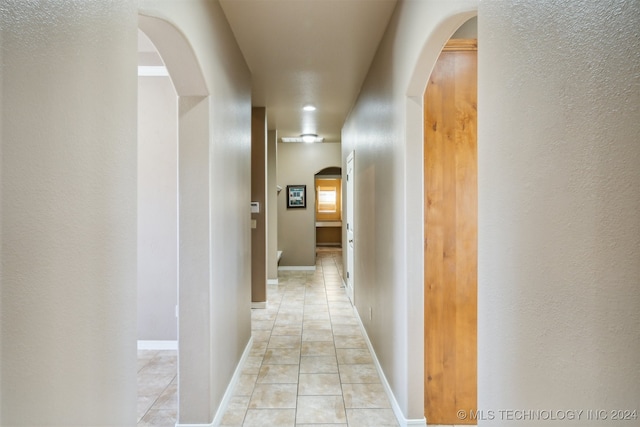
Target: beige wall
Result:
[385, 130]
[558, 229]
[68, 303]
[216, 175]
[559, 232]
[297, 165]
[157, 209]
[68, 202]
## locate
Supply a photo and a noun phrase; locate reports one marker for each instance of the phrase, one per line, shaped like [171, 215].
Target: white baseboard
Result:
[297, 268]
[349, 292]
[228, 394]
[157, 345]
[422, 422]
[261, 304]
[272, 281]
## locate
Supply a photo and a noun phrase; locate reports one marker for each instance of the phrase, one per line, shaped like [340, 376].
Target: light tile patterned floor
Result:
[157, 388]
[309, 364]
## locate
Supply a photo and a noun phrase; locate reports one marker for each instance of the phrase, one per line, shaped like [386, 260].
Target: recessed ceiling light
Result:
[309, 137]
[309, 108]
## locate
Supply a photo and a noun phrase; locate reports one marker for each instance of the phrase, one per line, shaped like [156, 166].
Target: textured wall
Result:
[559, 235]
[68, 334]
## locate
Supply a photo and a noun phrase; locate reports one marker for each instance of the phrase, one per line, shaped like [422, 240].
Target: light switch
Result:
[255, 207]
[254, 223]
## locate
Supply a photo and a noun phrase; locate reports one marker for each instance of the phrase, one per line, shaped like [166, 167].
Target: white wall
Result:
[157, 209]
[297, 165]
[68, 230]
[385, 130]
[559, 234]
[214, 177]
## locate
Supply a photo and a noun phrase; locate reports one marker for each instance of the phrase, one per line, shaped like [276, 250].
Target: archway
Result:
[193, 242]
[450, 211]
[328, 207]
[157, 225]
[414, 207]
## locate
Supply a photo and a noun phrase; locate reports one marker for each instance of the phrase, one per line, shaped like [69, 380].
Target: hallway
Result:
[309, 363]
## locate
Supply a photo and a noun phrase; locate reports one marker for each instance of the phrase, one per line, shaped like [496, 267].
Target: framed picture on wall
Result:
[296, 196]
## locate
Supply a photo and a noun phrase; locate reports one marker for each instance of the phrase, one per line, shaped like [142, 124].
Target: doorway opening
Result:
[450, 224]
[191, 242]
[328, 207]
[157, 236]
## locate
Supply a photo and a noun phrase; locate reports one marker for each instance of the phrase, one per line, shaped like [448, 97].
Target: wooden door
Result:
[450, 173]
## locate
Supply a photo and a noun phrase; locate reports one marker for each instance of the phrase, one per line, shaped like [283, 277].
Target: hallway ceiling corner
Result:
[304, 52]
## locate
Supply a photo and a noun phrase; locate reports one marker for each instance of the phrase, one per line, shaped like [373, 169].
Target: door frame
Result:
[349, 275]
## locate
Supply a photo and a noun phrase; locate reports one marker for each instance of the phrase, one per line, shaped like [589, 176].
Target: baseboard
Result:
[349, 293]
[157, 345]
[402, 421]
[272, 281]
[297, 268]
[259, 304]
[228, 394]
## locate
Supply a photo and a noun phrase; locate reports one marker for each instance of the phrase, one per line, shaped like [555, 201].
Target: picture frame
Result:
[296, 196]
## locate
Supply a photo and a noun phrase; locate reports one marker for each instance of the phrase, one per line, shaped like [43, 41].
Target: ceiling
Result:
[303, 52]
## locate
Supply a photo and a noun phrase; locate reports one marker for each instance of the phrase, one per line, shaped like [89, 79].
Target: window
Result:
[327, 200]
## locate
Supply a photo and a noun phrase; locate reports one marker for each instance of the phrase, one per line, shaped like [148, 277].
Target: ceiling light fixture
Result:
[309, 108]
[309, 137]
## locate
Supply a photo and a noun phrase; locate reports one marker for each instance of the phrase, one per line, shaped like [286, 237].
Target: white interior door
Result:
[349, 275]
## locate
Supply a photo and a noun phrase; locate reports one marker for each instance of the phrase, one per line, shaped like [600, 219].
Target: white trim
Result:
[228, 394]
[152, 71]
[272, 282]
[157, 345]
[259, 304]
[422, 422]
[297, 268]
[349, 292]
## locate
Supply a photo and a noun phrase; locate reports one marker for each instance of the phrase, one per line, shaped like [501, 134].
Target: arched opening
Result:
[192, 244]
[451, 232]
[449, 205]
[414, 206]
[157, 213]
[328, 207]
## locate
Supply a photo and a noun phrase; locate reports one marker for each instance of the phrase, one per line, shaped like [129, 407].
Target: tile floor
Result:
[309, 363]
[157, 388]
